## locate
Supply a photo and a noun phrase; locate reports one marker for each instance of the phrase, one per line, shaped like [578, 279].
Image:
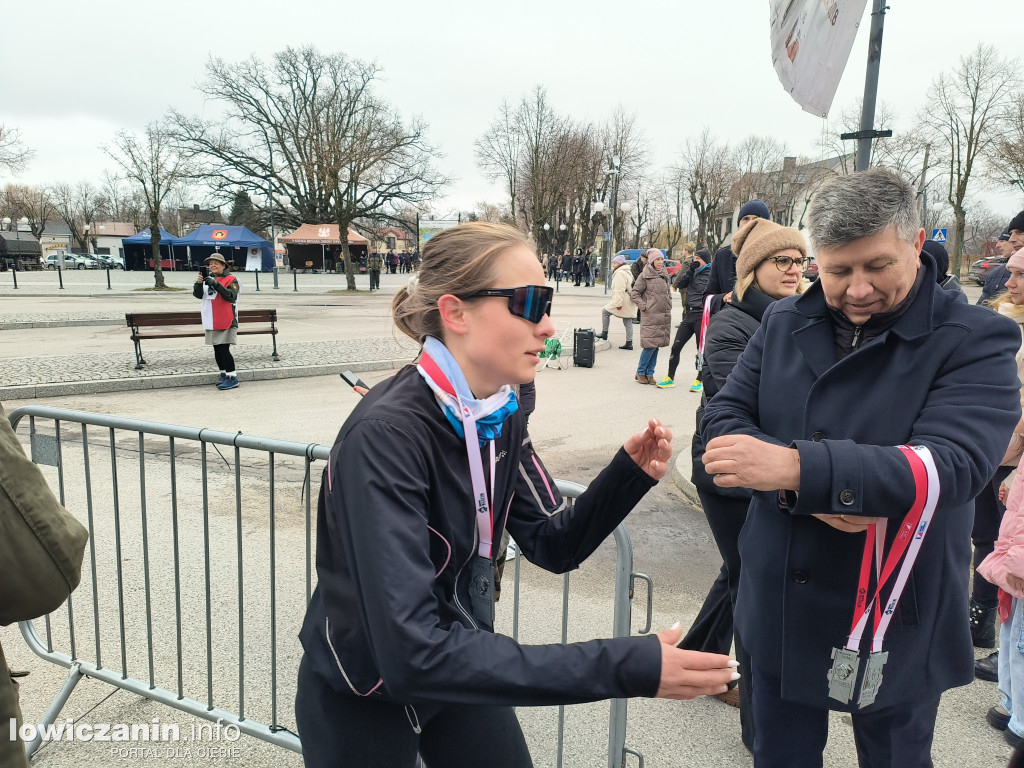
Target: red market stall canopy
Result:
[321, 234]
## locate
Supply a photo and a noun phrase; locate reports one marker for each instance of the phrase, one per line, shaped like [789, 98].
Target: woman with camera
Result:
[218, 290]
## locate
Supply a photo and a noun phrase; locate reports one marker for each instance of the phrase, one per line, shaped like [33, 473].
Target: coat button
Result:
[799, 577]
[847, 497]
[818, 437]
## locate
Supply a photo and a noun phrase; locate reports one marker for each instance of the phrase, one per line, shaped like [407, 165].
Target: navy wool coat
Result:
[942, 377]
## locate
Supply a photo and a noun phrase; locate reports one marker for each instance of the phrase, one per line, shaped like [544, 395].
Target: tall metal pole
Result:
[867, 116]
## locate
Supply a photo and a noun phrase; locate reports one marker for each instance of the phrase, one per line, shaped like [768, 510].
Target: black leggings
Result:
[340, 731]
[689, 327]
[224, 359]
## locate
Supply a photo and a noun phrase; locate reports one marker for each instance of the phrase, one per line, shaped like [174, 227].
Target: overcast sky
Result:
[73, 73]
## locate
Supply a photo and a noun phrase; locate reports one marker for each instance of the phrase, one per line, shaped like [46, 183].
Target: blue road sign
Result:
[939, 235]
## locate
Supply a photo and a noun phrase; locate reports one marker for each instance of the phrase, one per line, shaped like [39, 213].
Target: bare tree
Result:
[759, 162]
[155, 167]
[14, 156]
[117, 201]
[1006, 154]
[497, 153]
[706, 169]
[962, 111]
[309, 128]
[34, 203]
[76, 206]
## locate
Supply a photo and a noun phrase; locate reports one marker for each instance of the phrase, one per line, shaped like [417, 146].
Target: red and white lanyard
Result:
[705, 318]
[908, 540]
[484, 520]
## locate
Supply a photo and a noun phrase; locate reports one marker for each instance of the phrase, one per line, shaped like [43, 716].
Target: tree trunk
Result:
[960, 219]
[154, 245]
[346, 254]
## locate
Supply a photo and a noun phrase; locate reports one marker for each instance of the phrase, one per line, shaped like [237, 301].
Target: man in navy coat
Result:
[874, 356]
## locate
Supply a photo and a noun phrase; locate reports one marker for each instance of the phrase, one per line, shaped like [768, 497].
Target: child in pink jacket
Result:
[1005, 568]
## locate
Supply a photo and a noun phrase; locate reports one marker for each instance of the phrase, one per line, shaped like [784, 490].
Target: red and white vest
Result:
[217, 313]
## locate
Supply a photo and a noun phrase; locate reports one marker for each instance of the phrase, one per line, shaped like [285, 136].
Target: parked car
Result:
[104, 261]
[672, 267]
[632, 254]
[980, 269]
[69, 261]
[811, 273]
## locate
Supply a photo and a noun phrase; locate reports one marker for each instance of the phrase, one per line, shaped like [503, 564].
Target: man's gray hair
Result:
[847, 208]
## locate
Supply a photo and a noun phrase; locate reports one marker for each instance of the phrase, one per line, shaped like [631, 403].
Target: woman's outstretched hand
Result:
[689, 674]
[651, 449]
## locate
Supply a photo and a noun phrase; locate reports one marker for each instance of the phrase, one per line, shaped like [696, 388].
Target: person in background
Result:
[723, 265]
[400, 657]
[553, 267]
[941, 258]
[374, 263]
[41, 551]
[219, 293]
[592, 259]
[997, 276]
[620, 304]
[651, 294]
[769, 266]
[692, 281]
[580, 264]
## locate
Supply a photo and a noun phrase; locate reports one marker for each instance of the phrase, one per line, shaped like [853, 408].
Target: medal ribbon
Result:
[908, 540]
[484, 520]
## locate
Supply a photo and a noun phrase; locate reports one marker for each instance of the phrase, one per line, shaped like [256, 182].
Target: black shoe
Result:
[627, 345]
[601, 336]
[998, 717]
[988, 668]
[1012, 738]
[983, 625]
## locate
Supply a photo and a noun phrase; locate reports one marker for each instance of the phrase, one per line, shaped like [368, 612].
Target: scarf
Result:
[490, 412]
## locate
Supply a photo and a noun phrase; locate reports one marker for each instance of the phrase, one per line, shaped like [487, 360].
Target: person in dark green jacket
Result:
[41, 550]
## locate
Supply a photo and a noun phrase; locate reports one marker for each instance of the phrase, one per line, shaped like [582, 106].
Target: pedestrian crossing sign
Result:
[939, 235]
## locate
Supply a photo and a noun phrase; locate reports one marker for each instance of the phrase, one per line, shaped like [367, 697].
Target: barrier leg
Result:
[74, 675]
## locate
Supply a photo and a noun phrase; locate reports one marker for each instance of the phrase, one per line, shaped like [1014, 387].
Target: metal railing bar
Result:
[241, 585]
[145, 555]
[92, 544]
[117, 551]
[273, 600]
[206, 565]
[177, 564]
[63, 503]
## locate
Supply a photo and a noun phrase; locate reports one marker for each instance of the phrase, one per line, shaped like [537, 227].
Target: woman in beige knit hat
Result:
[770, 260]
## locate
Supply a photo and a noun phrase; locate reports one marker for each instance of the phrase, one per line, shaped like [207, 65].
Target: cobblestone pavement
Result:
[10, 322]
[22, 377]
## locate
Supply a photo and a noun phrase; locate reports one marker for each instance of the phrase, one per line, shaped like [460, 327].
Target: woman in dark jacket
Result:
[579, 264]
[769, 266]
[400, 654]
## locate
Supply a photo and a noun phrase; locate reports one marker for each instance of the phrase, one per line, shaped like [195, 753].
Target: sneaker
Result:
[697, 386]
[220, 380]
[998, 717]
[230, 382]
[665, 383]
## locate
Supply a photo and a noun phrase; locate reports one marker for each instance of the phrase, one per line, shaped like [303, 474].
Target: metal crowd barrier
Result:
[188, 586]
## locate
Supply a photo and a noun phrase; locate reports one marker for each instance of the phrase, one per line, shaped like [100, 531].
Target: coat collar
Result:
[816, 341]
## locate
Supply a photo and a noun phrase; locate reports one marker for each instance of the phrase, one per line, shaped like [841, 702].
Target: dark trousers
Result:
[713, 630]
[225, 360]
[792, 735]
[688, 328]
[988, 514]
[374, 279]
[340, 731]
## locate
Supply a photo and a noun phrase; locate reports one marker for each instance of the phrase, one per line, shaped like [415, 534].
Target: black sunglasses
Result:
[530, 302]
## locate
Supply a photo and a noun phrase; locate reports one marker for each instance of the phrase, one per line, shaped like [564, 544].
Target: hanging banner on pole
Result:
[811, 43]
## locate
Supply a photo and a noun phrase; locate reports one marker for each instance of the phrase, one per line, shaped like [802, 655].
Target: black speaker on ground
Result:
[583, 347]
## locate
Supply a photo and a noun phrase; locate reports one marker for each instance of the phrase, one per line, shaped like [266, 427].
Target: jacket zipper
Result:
[856, 336]
[458, 575]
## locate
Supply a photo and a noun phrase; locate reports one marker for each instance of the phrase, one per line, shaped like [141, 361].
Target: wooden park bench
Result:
[137, 321]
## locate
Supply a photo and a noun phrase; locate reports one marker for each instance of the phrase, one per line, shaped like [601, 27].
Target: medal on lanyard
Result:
[842, 677]
[481, 580]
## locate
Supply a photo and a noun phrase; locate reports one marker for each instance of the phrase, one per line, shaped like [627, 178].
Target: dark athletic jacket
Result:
[391, 618]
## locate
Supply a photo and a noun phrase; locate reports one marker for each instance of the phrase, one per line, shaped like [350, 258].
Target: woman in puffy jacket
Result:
[770, 260]
[651, 293]
[620, 305]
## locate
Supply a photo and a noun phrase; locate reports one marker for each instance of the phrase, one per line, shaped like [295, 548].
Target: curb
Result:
[59, 323]
[679, 473]
[29, 391]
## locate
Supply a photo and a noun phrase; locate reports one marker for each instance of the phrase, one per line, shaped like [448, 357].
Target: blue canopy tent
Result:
[137, 253]
[236, 244]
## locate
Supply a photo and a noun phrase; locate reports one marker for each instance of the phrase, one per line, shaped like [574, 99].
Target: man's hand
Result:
[742, 461]
[848, 523]
[651, 449]
[689, 674]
